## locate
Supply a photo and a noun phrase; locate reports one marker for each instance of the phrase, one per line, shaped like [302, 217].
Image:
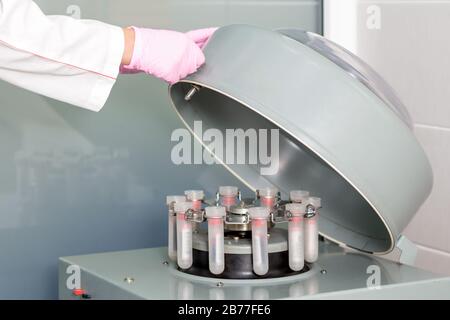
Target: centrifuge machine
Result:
[350, 177]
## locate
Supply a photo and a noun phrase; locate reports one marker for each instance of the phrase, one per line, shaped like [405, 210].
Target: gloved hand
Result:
[165, 54]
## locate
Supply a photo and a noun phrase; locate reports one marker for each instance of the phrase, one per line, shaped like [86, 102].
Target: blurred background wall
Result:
[74, 181]
[407, 42]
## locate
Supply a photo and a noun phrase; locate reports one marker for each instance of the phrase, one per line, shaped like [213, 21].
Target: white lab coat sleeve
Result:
[75, 61]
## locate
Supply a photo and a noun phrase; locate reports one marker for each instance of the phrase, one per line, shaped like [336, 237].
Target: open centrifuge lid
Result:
[344, 135]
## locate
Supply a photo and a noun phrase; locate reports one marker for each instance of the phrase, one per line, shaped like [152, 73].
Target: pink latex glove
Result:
[201, 36]
[166, 54]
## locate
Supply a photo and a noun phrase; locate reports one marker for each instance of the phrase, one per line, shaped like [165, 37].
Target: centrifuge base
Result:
[338, 274]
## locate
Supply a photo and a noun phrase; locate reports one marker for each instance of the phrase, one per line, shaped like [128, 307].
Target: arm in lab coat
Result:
[75, 61]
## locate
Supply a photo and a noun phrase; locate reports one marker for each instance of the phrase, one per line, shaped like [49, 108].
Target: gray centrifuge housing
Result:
[343, 133]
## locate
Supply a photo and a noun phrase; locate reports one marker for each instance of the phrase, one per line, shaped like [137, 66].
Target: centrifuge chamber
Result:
[343, 134]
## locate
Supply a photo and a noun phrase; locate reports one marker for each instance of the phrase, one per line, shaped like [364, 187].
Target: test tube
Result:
[215, 217]
[228, 195]
[268, 196]
[184, 235]
[299, 196]
[196, 196]
[312, 229]
[295, 236]
[172, 232]
[260, 252]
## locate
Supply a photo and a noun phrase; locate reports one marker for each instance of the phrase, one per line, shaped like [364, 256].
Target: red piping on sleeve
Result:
[52, 60]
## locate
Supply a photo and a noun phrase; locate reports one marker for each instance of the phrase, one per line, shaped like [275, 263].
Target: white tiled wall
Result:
[410, 48]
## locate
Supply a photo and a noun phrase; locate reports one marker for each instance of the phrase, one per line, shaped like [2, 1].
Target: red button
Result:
[78, 292]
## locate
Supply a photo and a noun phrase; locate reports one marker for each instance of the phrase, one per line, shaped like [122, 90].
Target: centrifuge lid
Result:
[343, 134]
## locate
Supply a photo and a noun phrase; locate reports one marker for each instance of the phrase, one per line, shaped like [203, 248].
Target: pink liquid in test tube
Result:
[196, 196]
[267, 196]
[184, 235]
[312, 232]
[216, 251]
[295, 236]
[268, 201]
[196, 205]
[228, 195]
[260, 253]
